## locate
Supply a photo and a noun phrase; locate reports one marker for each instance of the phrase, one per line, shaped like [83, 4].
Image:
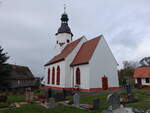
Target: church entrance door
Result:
[104, 83]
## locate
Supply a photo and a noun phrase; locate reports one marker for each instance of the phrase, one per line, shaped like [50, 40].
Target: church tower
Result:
[63, 35]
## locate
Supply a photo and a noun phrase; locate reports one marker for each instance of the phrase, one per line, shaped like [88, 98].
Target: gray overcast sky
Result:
[27, 28]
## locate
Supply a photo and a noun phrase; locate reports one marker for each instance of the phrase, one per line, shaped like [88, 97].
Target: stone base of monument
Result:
[50, 104]
[80, 106]
[46, 105]
[121, 110]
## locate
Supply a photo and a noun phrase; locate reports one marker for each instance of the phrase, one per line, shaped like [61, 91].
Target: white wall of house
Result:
[62, 38]
[103, 63]
[68, 61]
[84, 76]
[62, 74]
[143, 80]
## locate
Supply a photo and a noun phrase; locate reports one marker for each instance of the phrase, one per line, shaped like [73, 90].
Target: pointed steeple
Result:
[64, 28]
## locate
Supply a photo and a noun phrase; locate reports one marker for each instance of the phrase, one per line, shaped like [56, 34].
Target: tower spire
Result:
[64, 8]
[64, 28]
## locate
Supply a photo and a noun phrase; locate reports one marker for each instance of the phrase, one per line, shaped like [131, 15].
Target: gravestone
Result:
[130, 95]
[76, 99]
[128, 89]
[59, 97]
[29, 95]
[47, 93]
[64, 93]
[51, 103]
[113, 101]
[96, 104]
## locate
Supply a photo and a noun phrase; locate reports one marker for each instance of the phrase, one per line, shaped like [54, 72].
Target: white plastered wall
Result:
[62, 38]
[103, 63]
[68, 61]
[84, 76]
[143, 81]
[62, 74]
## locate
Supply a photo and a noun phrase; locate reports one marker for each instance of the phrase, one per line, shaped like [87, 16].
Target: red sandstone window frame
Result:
[48, 77]
[53, 75]
[58, 76]
[78, 76]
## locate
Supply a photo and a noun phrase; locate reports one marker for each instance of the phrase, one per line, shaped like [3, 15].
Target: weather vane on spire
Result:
[64, 8]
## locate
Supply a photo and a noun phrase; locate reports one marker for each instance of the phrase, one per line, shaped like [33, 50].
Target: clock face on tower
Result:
[61, 44]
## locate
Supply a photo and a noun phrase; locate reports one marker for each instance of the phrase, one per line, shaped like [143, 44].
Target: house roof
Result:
[20, 72]
[86, 52]
[65, 52]
[142, 72]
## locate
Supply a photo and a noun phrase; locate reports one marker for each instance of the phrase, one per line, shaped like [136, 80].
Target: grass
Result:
[143, 99]
[87, 99]
[3, 104]
[16, 98]
[141, 95]
[34, 108]
[13, 98]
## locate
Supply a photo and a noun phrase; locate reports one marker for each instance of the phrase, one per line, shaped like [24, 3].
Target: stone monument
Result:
[129, 93]
[51, 103]
[47, 94]
[76, 99]
[113, 101]
[96, 104]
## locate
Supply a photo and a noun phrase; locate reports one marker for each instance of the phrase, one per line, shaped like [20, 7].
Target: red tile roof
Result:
[65, 52]
[86, 51]
[142, 72]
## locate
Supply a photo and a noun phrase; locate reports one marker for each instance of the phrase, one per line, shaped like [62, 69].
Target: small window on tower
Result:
[57, 42]
[68, 41]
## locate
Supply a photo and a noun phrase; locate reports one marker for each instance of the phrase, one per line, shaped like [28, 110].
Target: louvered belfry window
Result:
[58, 75]
[53, 76]
[78, 76]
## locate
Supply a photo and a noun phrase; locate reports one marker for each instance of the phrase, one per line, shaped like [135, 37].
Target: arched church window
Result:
[48, 77]
[58, 76]
[57, 42]
[78, 76]
[53, 76]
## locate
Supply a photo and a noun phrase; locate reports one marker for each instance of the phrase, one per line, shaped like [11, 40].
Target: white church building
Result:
[86, 64]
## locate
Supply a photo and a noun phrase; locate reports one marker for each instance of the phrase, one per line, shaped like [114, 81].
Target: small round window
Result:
[68, 41]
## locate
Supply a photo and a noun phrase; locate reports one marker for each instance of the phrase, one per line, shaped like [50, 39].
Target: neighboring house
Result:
[142, 76]
[21, 77]
[86, 64]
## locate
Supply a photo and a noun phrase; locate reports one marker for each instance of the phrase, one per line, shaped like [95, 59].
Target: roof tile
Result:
[142, 72]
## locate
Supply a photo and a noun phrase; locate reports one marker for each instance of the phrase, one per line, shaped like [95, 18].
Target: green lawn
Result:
[143, 103]
[143, 99]
[13, 98]
[16, 98]
[38, 109]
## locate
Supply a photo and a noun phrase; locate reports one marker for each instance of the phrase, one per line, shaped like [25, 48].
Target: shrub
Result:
[41, 96]
[3, 98]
